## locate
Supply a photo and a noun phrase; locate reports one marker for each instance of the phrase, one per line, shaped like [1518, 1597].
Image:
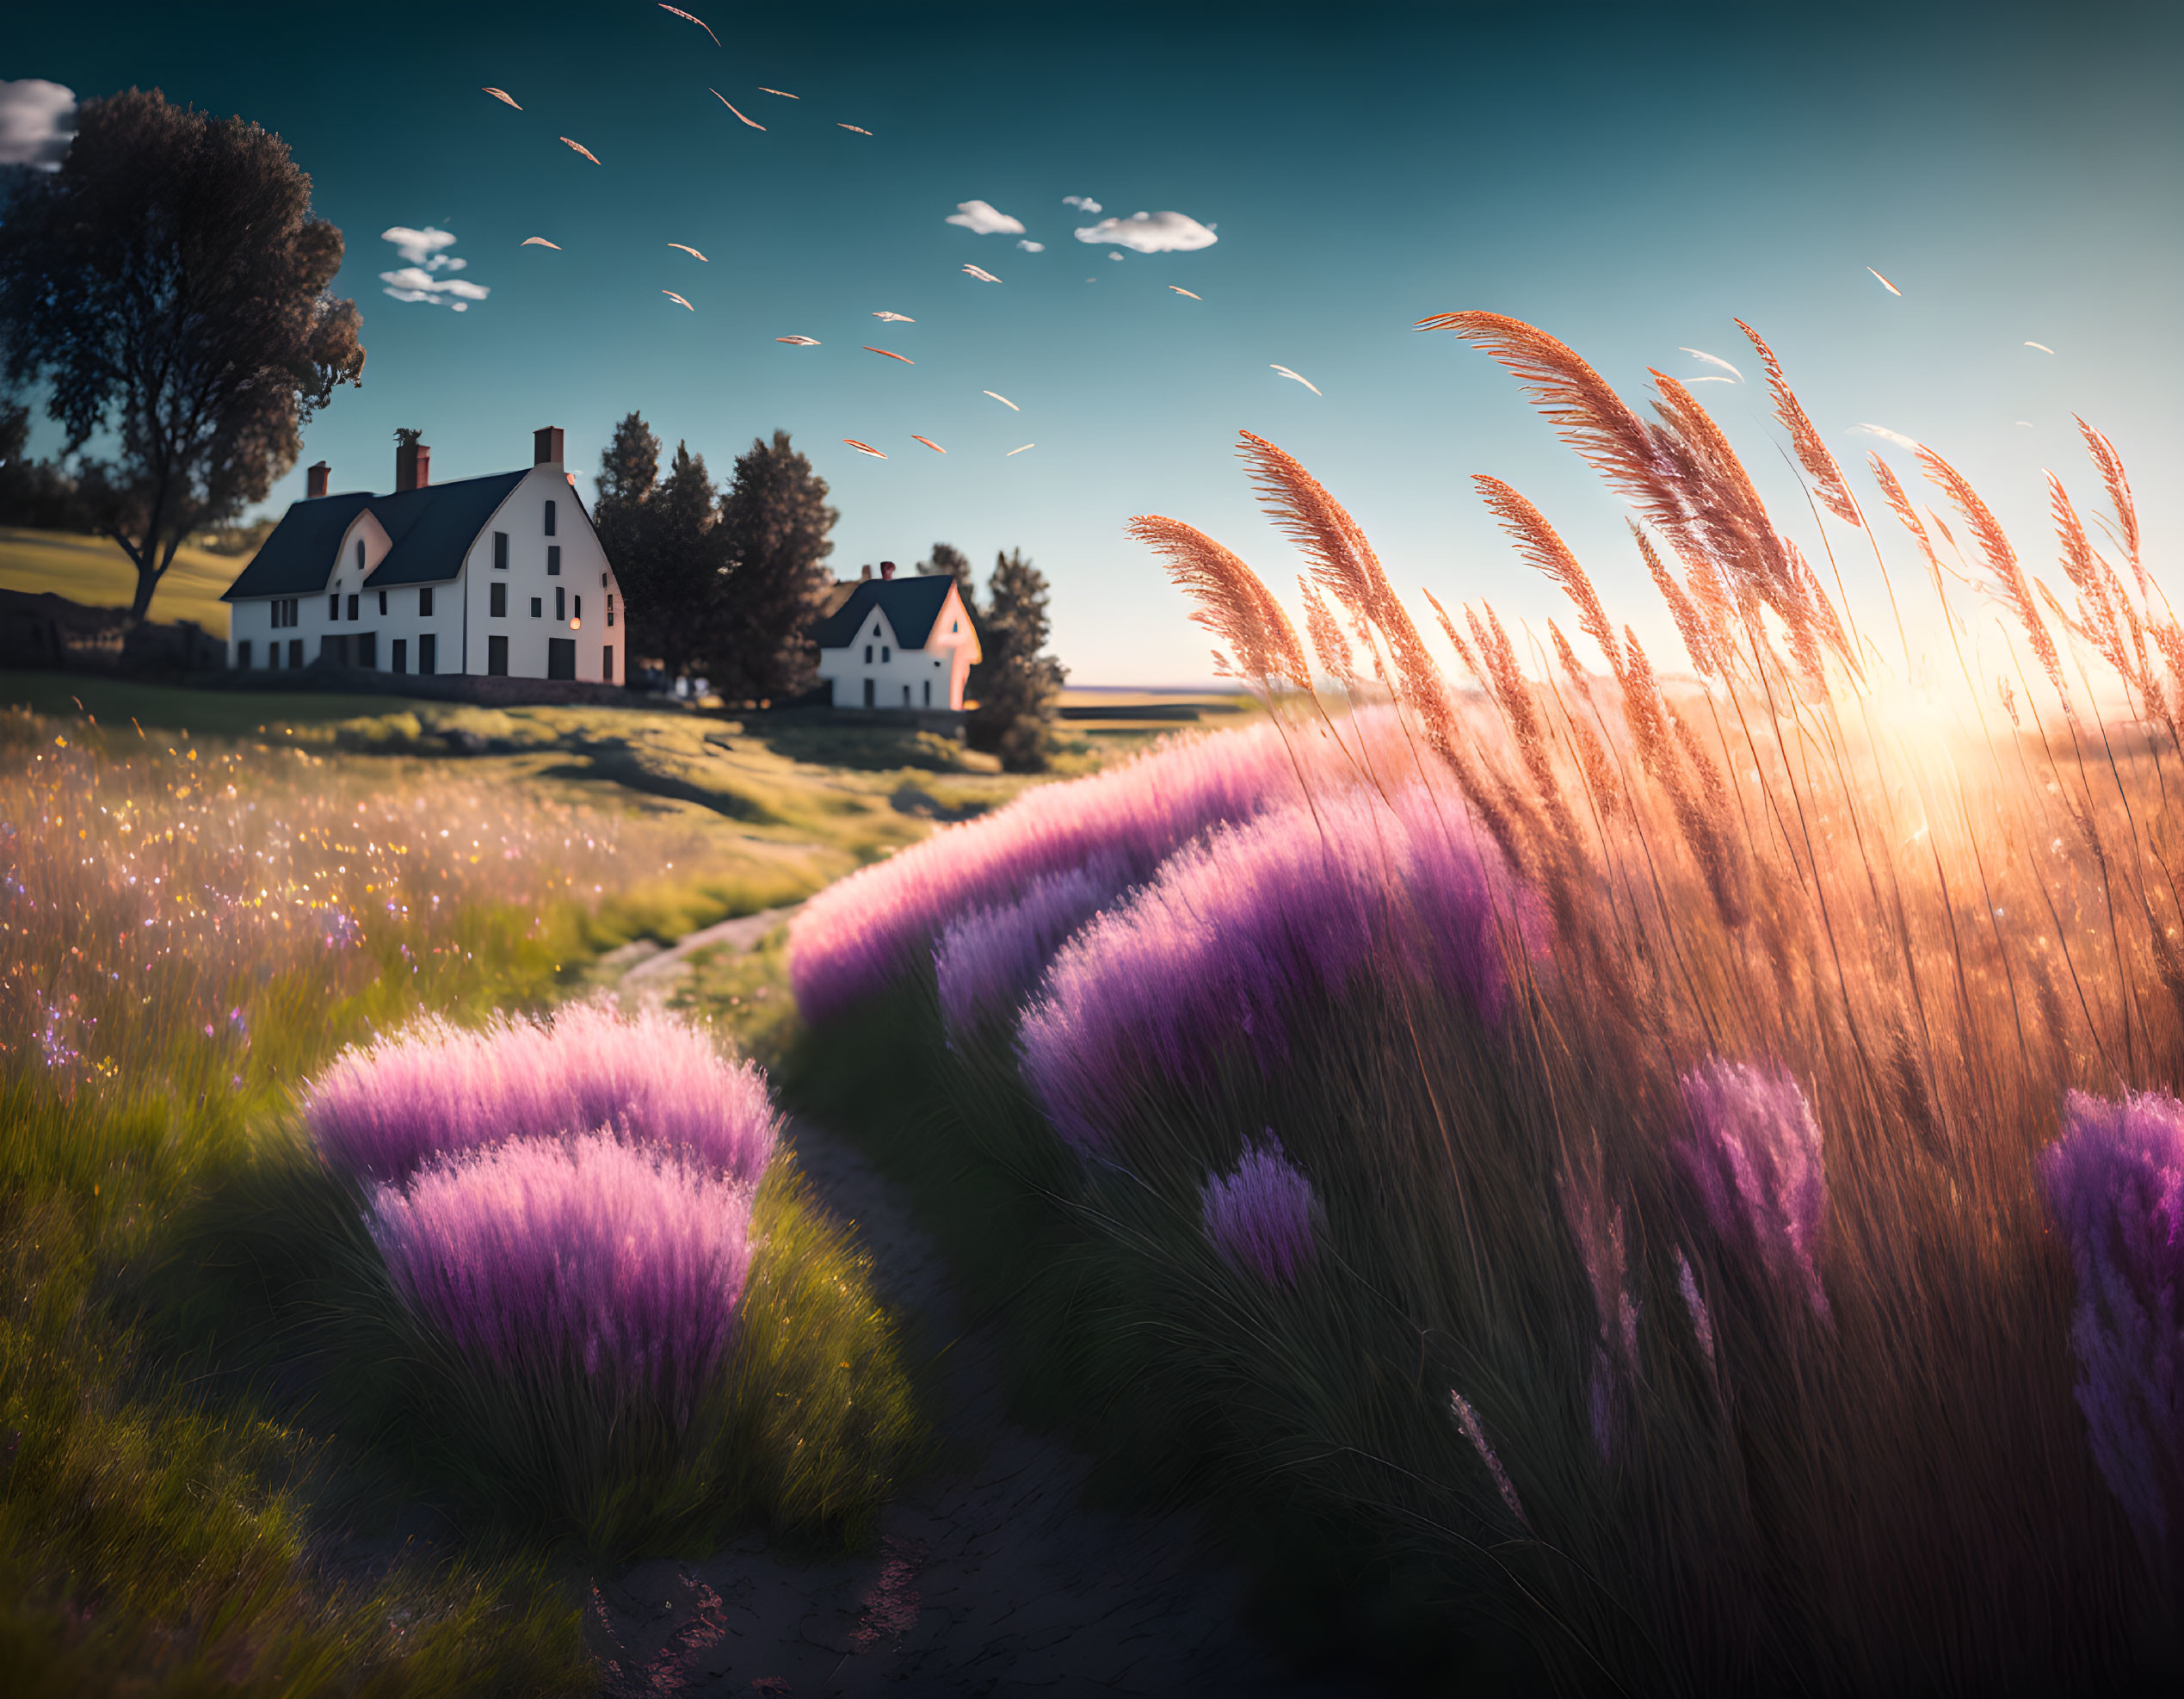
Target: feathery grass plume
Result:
[435, 1090]
[1596, 1228]
[1824, 618]
[2002, 561]
[2097, 613]
[1899, 503]
[1521, 713]
[2081, 632]
[1812, 451]
[1240, 935]
[1752, 1153]
[1726, 516]
[1582, 407]
[1259, 1216]
[1592, 754]
[1464, 652]
[1537, 542]
[1692, 626]
[989, 960]
[2115, 1184]
[584, 1262]
[1329, 640]
[2111, 466]
[1475, 1431]
[862, 933]
[1702, 1319]
[1232, 602]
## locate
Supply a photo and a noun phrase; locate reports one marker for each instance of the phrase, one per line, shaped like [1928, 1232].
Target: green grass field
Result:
[94, 571]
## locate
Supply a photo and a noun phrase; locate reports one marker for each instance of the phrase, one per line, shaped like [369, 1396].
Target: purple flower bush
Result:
[548, 1260]
[849, 941]
[1219, 949]
[2115, 1184]
[1260, 1216]
[382, 1112]
[1752, 1153]
[989, 960]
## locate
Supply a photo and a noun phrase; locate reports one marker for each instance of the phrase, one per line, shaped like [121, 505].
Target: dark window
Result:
[424, 600]
[868, 692]
[333, 606]
[561, 658]
[607, 664]
[382, 602]
[928, 693]
[352, 607]
[906, 696]
[497, 657]
[367, 645]
[500, 551]
[553, 560]
[610, 608]
[576, 606]
[243, 655]
[427, 652]
[560, 604]
[360, 555]
[549, 519]
[497, 602]
[295, 651]
[538, 607]
[398, 658]
[887, 653]
[867, 654]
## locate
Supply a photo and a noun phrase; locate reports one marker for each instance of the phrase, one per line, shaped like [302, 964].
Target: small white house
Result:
[898, 643]
[502, 577]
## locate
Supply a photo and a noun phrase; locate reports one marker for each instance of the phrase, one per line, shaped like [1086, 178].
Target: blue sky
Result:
[1629, 179]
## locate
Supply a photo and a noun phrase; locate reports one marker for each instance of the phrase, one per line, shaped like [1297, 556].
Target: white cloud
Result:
[422, 247]
[1032, 247]
[980, 220]
[1083, 203]
[36, 123]
[1150, 233]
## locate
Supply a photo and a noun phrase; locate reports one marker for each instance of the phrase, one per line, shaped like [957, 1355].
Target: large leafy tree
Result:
[1020, 682]
[168, 285]
[775, 519]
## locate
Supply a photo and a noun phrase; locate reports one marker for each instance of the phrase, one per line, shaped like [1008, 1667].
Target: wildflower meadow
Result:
[1634, 1173]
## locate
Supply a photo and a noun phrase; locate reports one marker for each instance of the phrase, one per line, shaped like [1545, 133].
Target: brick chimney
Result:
[886, 568]
[545, 446]
[865, 572]
[316, 476]
[412, 466]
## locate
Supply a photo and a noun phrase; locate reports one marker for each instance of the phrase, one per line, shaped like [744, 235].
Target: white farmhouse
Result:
[502, 577]
[898, 643]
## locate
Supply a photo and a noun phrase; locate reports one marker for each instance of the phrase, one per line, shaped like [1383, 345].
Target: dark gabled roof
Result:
[432, 529]
[299, 557]
[912, 605]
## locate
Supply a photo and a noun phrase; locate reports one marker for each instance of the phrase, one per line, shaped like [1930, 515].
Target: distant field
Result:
[94, 571]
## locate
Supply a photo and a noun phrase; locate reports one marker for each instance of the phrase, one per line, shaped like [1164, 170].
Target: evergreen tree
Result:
[687, 571]
[775, 519]
[1020, 683]
[947, 561]
[629, 470]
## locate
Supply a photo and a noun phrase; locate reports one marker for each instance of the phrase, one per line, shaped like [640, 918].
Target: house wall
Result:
[585, 579]
[251, 620]
[945, 663]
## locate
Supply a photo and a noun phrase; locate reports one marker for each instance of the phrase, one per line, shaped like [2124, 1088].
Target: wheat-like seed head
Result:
[2002, 561]
[1232, 603]
[1537, 542]
[1812, 451]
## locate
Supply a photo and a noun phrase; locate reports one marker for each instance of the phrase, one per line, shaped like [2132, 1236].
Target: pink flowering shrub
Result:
[989, 961]
[545, 1262]
[1259, 1216]
[2115, 1184]
[1752, 1153]
[436, 1089]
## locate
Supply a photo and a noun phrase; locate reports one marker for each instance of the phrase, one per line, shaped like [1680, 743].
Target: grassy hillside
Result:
[94, 571]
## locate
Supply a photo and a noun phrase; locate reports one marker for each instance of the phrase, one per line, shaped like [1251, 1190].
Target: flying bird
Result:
[980, 273]
[904, 358]
[688, 249]
[863, 448]
[894, 319]
[2027, 423]
[1003, 400]
[1884, 283]
[783, 93]
[677, 300]
[1713, 360]
[539, 242]
[1013, 452]
[1713, 380]
[1181, 290]
[852, 127]
[929, 442]
[800, 342]
[2043, 347]
[1295, 377]
[701, 22]
[504, 95]
[582, 149]
[731, 105]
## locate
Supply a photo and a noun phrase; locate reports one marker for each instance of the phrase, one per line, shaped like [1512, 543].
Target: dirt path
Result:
[650, 968]
[991, 1577]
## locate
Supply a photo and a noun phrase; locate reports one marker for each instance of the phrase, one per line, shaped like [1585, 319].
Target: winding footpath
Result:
[991, 1577]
